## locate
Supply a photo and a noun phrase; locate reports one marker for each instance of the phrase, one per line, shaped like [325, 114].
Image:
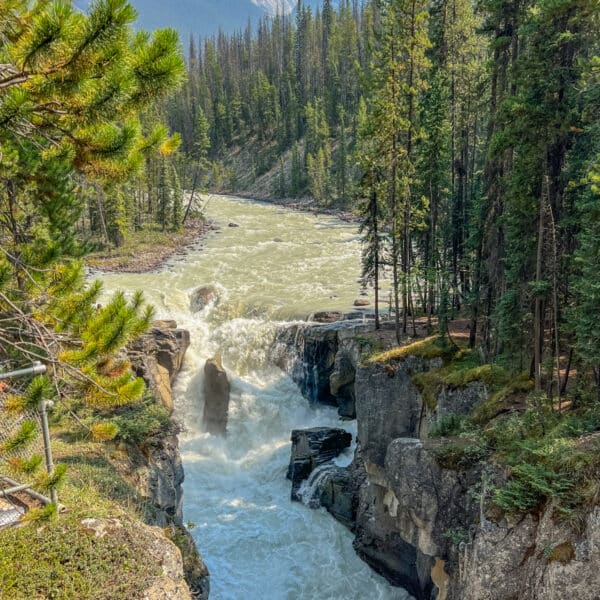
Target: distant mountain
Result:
[204, 17]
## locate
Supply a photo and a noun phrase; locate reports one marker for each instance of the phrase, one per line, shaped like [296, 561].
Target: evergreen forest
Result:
[459, 143]
[465, 135]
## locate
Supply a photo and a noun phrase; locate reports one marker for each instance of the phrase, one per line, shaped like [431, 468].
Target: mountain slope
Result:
[204, 17]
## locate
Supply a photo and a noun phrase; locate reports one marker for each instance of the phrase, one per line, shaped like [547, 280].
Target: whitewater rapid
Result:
[276, 267]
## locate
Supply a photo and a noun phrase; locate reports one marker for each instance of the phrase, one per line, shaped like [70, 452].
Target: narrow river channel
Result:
[276, 266]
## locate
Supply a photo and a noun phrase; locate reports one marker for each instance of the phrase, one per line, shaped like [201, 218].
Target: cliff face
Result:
[422, 525]
[322, 361]
[156, 469]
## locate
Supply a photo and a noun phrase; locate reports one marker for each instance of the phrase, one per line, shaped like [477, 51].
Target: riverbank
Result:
[148, 250]
[309, 205]
[120, 533]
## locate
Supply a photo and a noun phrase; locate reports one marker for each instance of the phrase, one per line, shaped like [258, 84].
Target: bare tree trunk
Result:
[537, 318]
[375, 219]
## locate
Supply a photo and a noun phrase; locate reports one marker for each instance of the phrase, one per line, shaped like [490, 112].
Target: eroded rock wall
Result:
[419, 524]
[156, 469]
[322, 361]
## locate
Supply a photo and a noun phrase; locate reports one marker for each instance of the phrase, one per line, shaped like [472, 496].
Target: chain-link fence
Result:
[21, 442]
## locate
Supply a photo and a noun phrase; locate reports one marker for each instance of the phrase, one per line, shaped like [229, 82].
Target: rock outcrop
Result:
[216, 397]
[170, 582]
[157, 357]
[388, 405]
[322, 360]
[312, 448]
[417, 521]
[156, 469]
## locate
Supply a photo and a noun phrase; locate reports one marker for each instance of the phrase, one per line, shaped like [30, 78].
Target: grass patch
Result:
[61, 560]
[143, 248]
[52, 556]
[428, 348]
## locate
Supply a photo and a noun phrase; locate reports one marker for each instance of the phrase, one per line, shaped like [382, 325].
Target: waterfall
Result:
[311, 488]
[257, 544]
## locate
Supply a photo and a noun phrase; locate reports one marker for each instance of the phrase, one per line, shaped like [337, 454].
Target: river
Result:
[275, 267]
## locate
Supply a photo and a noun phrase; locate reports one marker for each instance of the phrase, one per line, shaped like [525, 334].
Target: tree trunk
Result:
[537, 318]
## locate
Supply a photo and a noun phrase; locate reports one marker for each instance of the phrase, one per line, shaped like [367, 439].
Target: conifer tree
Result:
[176, 201]
[72, 89]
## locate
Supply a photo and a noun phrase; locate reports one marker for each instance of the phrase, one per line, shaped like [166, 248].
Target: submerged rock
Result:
[327, 316]
[361, 302]
[216, 397]
[202, 297]
[312, 448]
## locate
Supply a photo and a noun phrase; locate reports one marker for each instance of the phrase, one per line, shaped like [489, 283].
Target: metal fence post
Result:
[44, 405]
[39, 369]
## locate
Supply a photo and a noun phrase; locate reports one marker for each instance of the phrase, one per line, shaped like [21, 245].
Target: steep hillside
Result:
[204, 17]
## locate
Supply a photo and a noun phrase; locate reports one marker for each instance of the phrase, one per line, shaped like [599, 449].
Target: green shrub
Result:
[531, 485]
[456, 535]
[451, 425]
[139, 424]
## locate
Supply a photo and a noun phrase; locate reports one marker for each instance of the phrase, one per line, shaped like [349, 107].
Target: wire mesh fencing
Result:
[21, 443]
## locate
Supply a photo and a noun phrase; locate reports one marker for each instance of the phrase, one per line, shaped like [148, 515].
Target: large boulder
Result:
[216, 397]
[312, 448]
[202, 297]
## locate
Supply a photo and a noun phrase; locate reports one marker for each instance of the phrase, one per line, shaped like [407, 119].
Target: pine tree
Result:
[297, 173]
[341, 160]
[398, 69]
[64, 128]
[176, 201]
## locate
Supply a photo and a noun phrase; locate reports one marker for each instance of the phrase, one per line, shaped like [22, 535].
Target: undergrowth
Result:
[63, 561]
[51, 555]
[548, 455]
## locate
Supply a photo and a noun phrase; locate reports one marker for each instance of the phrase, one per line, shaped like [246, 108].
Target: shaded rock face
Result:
[337, 495]
[156, 470]
[408, 512]
[216, 397]
[532, 559]
[322, 361]
[202, 297]
[312, 448]
[158, 356]
[405, 508]
[388, 405]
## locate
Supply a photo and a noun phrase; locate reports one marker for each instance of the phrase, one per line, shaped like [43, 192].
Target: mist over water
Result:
[277, 266]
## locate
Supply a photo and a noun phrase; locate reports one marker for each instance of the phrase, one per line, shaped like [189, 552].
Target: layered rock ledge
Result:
[421, 522]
